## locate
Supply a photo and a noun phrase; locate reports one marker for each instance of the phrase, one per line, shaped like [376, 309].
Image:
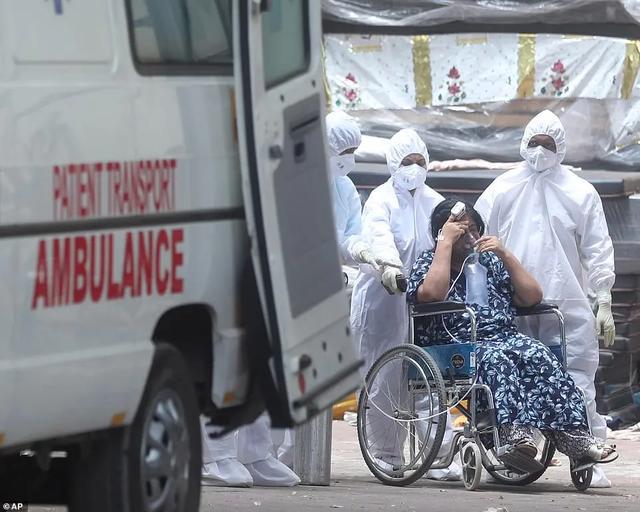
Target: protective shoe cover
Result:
[451, 474]
[397, 226]
[270, 472]
[554, 223]
[342, 134]
[283, 445]
[220, 465]
[226, 473]
[255, 451]
[599, 479]
[454, 471]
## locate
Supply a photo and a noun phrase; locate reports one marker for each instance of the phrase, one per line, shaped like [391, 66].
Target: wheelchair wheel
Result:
[402, 415]
[471, 465]
[582, 478]
[512, 477]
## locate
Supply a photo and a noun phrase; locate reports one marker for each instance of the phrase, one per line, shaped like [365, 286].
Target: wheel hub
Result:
[165, 454]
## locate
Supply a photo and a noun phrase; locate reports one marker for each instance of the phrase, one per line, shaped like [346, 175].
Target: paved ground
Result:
[353, 488]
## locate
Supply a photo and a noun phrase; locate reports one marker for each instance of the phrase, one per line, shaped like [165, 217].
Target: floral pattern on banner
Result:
[556, 83]
[454, 87]
[459, 71]
[578, 66]
[347, 95]
[370, 72]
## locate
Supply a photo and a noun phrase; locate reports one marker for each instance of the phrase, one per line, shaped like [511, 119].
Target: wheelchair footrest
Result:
[581, 466]
[515, 459]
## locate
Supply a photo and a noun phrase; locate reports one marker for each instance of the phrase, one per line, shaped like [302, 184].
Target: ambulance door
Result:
[280, 97]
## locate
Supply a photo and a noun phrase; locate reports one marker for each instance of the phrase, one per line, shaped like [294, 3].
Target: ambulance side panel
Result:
[119, 200]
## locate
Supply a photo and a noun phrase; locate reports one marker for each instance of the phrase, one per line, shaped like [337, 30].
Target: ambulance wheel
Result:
[582, 479]
[471, 465]
[154, 464]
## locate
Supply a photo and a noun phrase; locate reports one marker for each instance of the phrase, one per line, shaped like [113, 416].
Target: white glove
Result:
[363, 255]
[604, 319]
[389, 275]
[388, 262]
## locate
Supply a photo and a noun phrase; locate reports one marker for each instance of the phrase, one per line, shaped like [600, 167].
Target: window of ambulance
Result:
[181, 37]
[285, 41]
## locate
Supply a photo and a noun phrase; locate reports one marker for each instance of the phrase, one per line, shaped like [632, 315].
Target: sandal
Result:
[526, 447]
[602, 454]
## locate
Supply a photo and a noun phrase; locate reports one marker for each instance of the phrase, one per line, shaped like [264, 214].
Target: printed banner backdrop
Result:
[578, 66]
[370, 72]
[373, 72]
[459, 70]
[470, 95]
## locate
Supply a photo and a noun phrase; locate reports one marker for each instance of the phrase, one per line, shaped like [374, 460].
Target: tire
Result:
[582, 479]
[471, 465]
[528, 478]
[419, 358]
[117, 474]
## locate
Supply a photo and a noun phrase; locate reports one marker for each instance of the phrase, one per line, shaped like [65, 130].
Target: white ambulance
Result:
[166, 241]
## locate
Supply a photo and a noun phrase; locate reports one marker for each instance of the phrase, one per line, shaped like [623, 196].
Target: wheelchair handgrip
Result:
[538, 309]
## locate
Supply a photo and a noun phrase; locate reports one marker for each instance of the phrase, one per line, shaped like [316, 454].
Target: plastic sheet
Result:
[493, 131]
[434, 12]
[442, 86]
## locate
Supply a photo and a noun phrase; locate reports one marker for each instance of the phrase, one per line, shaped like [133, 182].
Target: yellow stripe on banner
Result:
[631, 65]
[366, 48]
[422, 71]
[526, 65]
[471, 39]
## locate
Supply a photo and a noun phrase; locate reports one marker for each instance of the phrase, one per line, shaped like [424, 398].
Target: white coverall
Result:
[554, 223]
[247, 456]
[397, 226]
[343, 134]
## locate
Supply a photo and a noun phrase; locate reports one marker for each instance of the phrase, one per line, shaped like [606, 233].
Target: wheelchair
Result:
[416, 386]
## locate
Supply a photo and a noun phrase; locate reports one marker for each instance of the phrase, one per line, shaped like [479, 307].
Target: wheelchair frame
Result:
[474, 454]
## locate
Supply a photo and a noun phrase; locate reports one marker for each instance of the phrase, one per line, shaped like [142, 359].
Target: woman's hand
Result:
[454, 229]
[489, 243]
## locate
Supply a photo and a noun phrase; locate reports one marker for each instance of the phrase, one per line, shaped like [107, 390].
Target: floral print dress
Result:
[530, 388]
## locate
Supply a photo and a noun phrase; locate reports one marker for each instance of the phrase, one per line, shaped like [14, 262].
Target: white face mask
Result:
[342, 165]
[409, 177]
[540, 159]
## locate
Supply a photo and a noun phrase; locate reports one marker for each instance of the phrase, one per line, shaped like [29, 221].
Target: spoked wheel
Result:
[402, 415]
[582, 478]
[471, 465]
[546, 451]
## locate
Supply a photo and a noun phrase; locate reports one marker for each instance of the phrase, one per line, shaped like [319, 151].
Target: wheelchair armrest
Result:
[538, 309]
[437, 308]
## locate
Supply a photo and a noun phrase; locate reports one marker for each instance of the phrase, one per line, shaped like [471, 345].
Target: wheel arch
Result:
[189, 328]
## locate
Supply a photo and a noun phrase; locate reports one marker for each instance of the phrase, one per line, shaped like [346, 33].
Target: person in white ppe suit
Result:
[344, 137]
[247, 456]
[554, 223]
[396, 224]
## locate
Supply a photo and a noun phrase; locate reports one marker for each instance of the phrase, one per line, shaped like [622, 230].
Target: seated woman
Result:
[529, 385]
